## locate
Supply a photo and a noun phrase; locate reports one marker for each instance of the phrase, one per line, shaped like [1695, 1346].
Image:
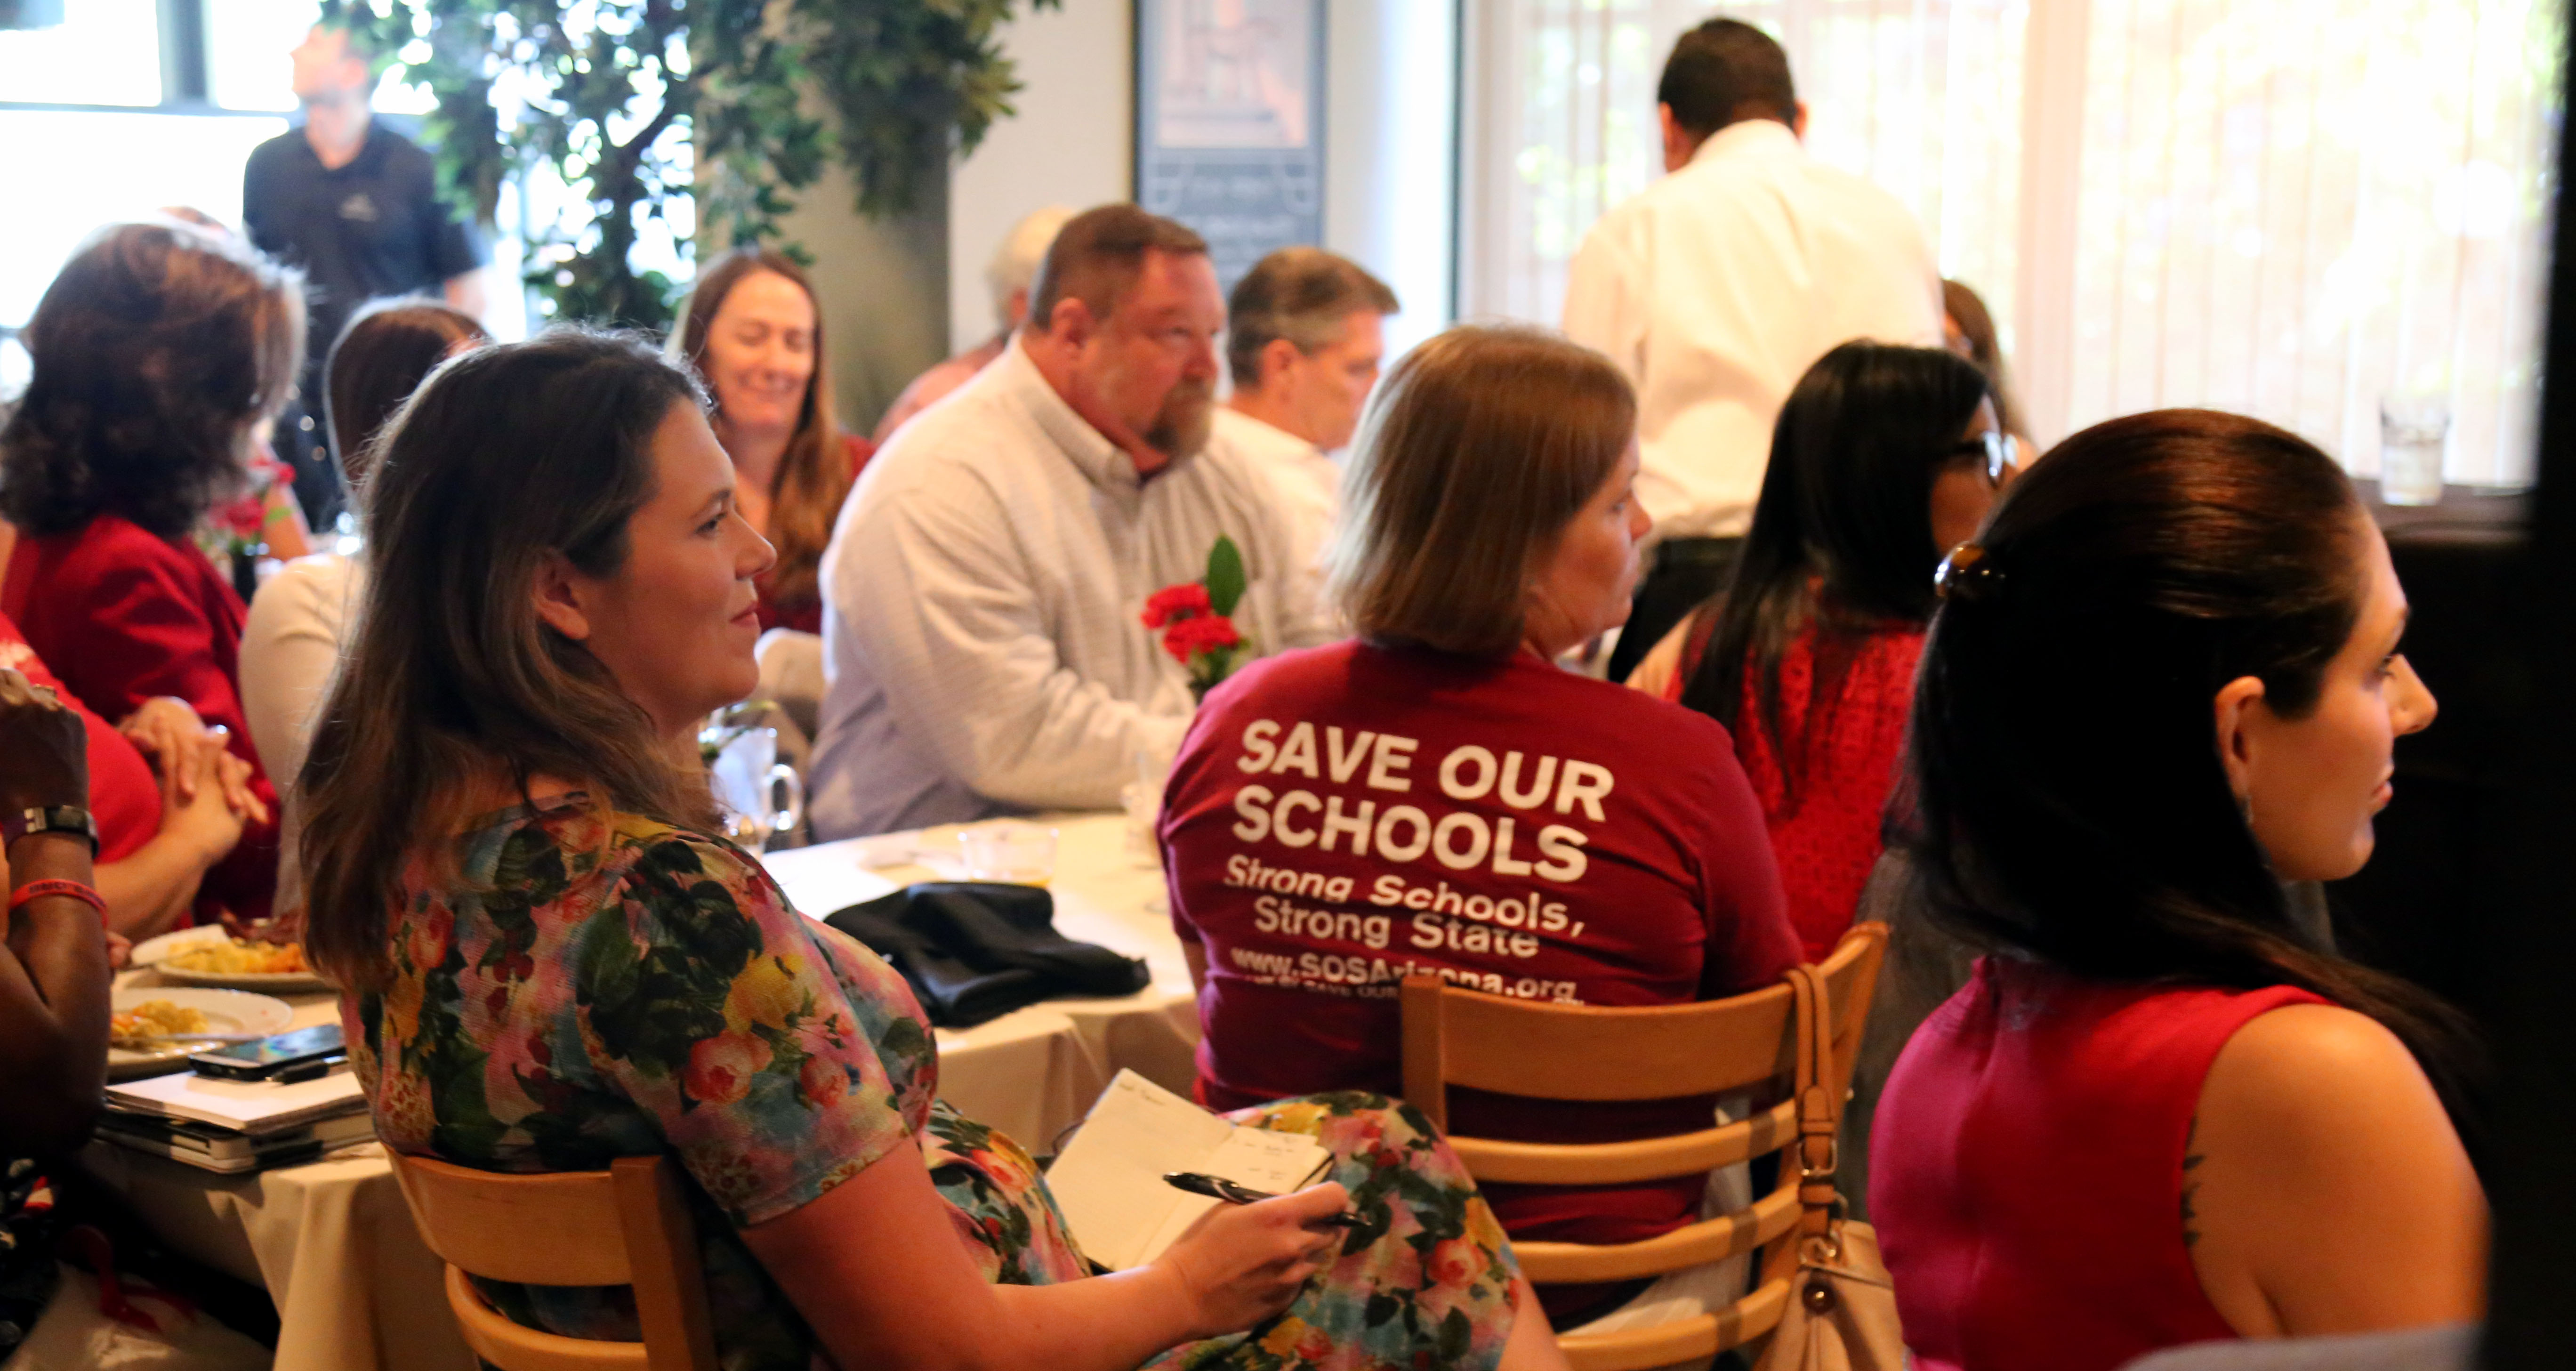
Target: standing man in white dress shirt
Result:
[1304, 340]
[1718, 286]
[983, 591]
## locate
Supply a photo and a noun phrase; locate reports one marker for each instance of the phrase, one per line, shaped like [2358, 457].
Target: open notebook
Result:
[1109, 1179]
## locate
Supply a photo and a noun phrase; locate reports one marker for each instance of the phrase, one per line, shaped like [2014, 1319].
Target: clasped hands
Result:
[188, 756]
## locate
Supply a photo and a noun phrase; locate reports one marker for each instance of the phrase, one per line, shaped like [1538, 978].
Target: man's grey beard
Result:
[1180, 428]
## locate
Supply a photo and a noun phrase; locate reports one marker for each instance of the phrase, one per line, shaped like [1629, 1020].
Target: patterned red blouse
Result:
[1845, 750]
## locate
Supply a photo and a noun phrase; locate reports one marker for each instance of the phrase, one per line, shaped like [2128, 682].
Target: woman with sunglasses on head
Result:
[1884, 458]
[2163, 682]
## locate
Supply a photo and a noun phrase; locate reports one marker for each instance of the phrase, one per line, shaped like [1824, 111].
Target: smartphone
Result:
[299, 1055]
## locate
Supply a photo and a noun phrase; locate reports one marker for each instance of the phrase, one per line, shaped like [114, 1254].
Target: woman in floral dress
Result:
[552, 963]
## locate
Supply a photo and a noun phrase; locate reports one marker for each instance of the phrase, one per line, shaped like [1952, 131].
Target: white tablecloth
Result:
[356, 1290]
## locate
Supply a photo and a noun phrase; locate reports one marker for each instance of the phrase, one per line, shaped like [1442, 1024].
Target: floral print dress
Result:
[569, 987]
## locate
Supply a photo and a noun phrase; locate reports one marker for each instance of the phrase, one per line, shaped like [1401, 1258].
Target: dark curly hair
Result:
[156, 348]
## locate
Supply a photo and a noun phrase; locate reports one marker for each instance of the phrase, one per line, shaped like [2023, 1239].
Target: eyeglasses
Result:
[1996, 447]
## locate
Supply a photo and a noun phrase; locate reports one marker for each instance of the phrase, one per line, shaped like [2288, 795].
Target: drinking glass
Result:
[2413, 431]
[1011, 852]
[747, 777]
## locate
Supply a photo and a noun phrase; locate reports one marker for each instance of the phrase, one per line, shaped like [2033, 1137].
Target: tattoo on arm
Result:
[2190, 1183]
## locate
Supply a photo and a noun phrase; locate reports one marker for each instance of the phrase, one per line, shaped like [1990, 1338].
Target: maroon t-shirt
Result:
[1342, 816]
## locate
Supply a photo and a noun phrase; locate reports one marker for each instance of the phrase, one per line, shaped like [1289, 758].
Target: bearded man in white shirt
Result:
[1718, 286]
[1304, 341]
[983, 591]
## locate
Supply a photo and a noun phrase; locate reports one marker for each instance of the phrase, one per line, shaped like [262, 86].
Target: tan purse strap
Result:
[1819, 1111]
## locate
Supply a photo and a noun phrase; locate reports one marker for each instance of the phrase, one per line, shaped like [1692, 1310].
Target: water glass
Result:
[747, 777]
[1142, 802]
[1011, 852]
[2413, 432]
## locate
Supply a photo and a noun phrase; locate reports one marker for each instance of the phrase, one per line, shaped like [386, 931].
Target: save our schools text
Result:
[1481, 920]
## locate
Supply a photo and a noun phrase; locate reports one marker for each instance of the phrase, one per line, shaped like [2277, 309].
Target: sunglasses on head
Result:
[1996, 447]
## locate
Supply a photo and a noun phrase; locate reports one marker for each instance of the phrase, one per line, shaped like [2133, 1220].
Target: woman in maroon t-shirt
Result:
[1884, 458]
[1438, 796]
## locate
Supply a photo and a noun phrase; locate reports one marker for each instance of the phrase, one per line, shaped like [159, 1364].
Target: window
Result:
[110, 113]
[105, 52]
[2282, 207]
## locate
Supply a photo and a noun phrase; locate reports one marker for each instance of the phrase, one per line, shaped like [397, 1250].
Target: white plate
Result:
[226, 1011]
[151, 950]
[154, 952]
[269, 982]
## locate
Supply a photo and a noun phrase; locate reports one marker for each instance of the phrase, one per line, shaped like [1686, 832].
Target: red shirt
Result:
[2026, 1169]
[804, 613]
[123, 615]
[1848, 746]
[124, 797]
[1341, 816]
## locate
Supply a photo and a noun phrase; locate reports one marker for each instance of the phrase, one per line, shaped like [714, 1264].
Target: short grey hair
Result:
[1015, 263]
[1305, 295]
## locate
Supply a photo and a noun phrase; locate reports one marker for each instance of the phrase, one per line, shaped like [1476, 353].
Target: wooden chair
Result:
[1559, 1052]
[628, 1225]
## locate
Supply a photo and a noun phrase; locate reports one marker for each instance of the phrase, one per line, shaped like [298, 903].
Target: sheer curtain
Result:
[2282, 207]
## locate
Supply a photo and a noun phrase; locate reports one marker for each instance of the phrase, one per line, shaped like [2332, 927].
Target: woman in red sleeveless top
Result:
[2165, 682]
[1884, 458]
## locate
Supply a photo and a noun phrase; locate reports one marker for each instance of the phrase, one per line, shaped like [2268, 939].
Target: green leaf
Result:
[1456, 1336]
[1225, 579]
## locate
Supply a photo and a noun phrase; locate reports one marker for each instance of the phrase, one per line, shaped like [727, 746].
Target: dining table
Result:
[356, 1289]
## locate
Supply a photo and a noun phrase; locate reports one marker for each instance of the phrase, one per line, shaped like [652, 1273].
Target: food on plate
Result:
[242, 958]
[137, 1027]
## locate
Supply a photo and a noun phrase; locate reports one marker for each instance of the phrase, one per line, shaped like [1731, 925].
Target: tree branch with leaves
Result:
[634, 104]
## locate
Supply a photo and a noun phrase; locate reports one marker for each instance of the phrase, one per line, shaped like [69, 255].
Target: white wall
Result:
[1389, 150]
[1071, 143]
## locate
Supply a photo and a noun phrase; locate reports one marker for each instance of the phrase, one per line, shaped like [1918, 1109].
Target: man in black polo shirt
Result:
[355, 205]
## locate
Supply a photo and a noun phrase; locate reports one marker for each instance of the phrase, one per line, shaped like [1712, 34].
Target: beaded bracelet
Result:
[70, 890]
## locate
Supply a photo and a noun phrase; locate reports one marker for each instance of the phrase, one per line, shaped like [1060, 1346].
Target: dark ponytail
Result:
[1841, 541]
[2066, 799]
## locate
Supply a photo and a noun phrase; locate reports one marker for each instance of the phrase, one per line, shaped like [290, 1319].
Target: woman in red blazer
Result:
[161, 353]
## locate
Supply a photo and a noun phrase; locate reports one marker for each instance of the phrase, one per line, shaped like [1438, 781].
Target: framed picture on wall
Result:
[1230, 122]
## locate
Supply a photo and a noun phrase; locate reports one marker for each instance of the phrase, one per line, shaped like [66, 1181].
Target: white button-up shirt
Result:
[1718, 286]
[982, 603]
[1309, 484]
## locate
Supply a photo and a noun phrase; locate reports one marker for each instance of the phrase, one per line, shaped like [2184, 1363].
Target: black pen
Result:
[1219, 1188]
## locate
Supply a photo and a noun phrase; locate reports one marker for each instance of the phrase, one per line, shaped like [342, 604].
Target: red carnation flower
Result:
[1174, 603]
[1190, 637]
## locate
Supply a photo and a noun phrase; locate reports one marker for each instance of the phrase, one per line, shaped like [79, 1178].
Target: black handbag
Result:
[975, 951]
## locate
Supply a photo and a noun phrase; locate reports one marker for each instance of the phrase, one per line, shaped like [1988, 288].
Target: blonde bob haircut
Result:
[1475, 454]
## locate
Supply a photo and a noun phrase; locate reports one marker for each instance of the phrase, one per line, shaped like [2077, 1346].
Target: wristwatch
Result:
[48, 819]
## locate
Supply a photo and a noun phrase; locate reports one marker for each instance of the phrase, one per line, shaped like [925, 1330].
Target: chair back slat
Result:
[628, 1225]
[1626, 1163]
[1709, 1240]
[493, 1338]
[1682, 1340]
[528, 1229]
[1582, 1052]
